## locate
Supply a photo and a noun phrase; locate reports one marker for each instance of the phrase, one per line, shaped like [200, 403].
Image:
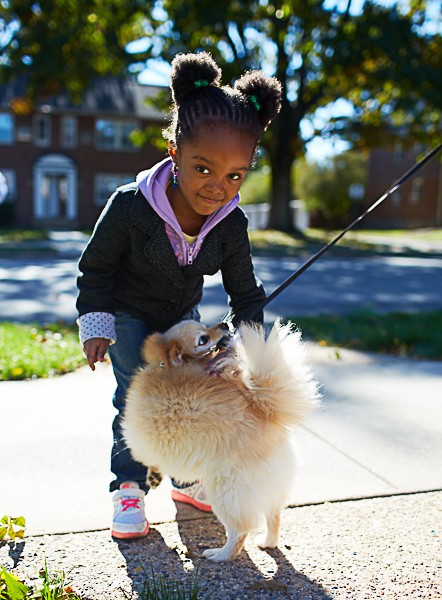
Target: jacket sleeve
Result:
[244, 289]
[100, 260]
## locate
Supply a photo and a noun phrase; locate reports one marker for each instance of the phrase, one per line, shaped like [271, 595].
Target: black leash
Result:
[230, 315]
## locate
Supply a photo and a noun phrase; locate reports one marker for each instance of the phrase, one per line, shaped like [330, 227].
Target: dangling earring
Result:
[175, 175]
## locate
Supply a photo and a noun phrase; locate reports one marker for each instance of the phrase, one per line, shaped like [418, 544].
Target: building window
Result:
[416, 189]
[398, 153]
[114, 135]
[106, 184]
[68, 132]
[24, 134]
[6, 128]
[396, 198]
[42, 130]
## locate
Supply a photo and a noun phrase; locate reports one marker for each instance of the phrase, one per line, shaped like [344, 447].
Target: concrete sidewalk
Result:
[365, 521]
[374, 448]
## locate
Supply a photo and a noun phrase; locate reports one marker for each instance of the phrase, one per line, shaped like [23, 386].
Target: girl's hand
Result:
[95, 349]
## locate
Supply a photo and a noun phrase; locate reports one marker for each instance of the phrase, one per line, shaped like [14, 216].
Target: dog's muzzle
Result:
[223, 344]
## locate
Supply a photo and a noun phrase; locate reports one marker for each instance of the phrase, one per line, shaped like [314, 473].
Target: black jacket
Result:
[129, 265]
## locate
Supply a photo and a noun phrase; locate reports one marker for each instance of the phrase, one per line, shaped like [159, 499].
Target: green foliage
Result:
[62, 45]
[326, 187]
[31, 351]
[382, 60]
[51, 587]
[10, 586]
[400, 334]
[12, 527]
[256, 187]
[320, 53]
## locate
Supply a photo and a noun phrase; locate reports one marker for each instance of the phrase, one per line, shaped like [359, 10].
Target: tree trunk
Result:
[280, 212]
[282, 156]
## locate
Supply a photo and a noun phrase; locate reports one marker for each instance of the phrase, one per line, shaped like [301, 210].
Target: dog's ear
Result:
[154, 350]
[175, 355]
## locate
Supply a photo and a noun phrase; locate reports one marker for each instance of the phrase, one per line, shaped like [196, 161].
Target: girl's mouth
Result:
[211, 200]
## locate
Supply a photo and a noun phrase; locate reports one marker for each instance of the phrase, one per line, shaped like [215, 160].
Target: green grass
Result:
[157, 587]
[399, 334]
[54, 586]
[277, 243]
[12, 234]
[424, 235]
[32, 351]
[271, 242]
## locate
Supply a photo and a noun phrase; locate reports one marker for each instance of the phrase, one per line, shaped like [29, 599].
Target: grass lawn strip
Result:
[33, 351]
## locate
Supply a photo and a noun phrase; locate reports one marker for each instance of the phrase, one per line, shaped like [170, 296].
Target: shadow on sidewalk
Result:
[173, 552]
[15, 550]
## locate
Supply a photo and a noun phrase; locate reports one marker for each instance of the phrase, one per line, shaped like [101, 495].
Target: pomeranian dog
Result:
[221, 408]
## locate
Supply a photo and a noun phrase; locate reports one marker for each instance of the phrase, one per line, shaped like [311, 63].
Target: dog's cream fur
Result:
[227, 420]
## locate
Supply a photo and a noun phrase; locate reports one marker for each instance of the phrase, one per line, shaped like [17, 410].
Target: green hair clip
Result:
[256, 105]
[199, 83]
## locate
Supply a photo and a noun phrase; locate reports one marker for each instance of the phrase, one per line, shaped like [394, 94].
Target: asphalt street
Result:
[43, 289]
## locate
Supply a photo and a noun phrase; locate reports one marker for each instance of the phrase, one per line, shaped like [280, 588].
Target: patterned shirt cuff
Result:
[97, 325]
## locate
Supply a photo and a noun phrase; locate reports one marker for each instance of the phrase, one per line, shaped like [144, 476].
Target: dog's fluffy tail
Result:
[275, 371]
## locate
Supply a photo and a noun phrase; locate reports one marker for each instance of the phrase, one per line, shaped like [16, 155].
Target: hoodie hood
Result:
[153, 183]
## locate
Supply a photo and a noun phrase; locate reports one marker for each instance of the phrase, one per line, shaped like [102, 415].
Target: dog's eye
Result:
[204, 339]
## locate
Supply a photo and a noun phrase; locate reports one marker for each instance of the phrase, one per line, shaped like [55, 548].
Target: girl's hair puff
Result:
[199, 99]
[263, 92]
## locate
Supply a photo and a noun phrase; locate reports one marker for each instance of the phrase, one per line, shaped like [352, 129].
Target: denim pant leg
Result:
[126, 358]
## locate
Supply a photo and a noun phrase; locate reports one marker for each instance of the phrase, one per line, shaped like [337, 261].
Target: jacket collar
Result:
[158, 249]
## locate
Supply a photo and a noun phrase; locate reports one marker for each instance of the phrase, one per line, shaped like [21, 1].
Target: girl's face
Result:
[211, 169]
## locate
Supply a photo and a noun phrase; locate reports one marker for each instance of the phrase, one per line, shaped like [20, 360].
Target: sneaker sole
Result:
[127, 535]
[179, 497]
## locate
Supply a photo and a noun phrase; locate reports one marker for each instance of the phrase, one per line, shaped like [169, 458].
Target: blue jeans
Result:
[126, 358]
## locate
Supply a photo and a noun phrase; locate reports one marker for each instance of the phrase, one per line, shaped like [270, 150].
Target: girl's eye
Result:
[204, 339]
[234, 176]
[203, 170]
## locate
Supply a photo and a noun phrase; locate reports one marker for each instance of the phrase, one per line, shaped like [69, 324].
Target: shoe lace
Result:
[127, 503]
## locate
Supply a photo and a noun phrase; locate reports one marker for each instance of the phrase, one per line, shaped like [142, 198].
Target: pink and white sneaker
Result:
[129, 520]
[194, 494]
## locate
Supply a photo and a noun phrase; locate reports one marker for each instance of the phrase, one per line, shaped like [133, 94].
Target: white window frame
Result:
[45, 140]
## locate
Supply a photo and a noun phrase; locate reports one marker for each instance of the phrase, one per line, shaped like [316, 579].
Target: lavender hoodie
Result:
[152, 184]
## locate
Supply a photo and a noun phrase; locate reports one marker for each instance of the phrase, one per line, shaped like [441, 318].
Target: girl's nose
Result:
[215, 188]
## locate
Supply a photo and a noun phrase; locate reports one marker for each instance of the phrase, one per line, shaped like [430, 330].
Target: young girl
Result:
[143, 268]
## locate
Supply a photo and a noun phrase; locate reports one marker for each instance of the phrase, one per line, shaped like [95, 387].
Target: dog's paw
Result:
[269, 541]
[267, 544]
[217, 555]
[154, 478]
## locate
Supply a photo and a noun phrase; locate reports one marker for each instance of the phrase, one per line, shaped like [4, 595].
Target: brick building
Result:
[418, 202]
[62, 160]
